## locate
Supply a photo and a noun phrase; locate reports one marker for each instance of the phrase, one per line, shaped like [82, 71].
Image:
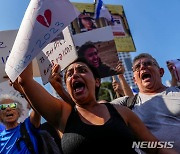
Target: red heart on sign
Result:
[46, 19]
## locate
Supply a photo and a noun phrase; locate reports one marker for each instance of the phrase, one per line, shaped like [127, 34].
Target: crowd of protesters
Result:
[83, 124]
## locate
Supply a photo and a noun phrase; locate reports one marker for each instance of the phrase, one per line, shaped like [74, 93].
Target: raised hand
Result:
[55, 80]
[170, 66]
[120, 68]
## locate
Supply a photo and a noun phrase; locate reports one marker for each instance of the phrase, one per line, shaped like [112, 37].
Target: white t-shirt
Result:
[160, 113]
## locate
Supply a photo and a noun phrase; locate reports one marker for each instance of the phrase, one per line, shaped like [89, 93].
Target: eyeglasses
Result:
[11, 105]
[145, 64]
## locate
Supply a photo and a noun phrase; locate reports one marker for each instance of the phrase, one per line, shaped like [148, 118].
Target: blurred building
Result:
[125, 57]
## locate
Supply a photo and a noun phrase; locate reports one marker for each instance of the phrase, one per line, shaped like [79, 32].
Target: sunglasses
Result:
[87, 18]
[11, 105]
[145, 64]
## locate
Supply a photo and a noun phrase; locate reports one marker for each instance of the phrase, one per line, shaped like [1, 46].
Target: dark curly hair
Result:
[84, 47]
[93, 70]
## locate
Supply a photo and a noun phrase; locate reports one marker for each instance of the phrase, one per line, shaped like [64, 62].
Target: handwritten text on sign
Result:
[42, 22]
[6, 42]
[2, 45]
[59, 52]
[39, 44]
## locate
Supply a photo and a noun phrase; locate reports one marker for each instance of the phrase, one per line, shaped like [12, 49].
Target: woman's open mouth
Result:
[78, 87]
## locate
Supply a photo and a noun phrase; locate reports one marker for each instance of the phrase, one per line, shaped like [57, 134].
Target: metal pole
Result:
[110, 93]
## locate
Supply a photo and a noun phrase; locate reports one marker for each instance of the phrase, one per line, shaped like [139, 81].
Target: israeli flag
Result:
[102, 11]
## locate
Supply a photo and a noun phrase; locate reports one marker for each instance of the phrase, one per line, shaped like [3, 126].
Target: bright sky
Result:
[154, 24]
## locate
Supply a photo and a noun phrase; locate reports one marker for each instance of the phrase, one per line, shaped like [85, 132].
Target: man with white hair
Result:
[10, 111]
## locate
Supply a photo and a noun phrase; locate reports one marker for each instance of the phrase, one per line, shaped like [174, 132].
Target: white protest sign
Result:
[100, 34]
[61, 51]
[42, 22]
[5, 88]
[6, 42]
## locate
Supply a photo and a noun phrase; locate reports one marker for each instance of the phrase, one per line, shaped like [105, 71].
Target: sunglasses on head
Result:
[11, 105]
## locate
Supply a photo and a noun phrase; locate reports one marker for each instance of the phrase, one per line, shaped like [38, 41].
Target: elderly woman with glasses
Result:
[10, 111]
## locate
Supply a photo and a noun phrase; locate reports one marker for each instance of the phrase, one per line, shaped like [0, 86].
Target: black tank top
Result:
[114, 137]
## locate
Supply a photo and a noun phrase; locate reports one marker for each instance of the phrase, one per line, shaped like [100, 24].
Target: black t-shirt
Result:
[111, 138]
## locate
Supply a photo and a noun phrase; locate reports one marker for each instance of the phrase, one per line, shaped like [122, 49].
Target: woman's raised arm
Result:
[52, 109]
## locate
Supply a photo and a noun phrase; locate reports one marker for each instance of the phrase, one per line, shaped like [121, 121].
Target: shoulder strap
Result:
[112, 110]
[131, 101]
[51, 146]
[26, 138]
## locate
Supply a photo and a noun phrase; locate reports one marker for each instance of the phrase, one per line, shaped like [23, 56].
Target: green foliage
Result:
[105, 90]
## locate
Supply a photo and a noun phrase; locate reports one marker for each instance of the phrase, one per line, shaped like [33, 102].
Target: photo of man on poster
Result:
[90, 52]
[98, 48]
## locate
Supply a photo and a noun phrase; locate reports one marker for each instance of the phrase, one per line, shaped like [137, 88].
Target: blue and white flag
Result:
[102, 11]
